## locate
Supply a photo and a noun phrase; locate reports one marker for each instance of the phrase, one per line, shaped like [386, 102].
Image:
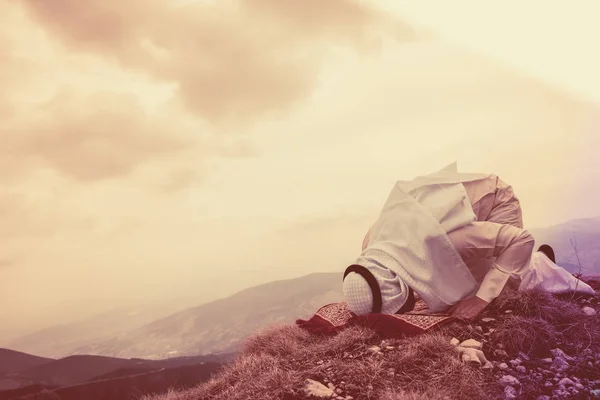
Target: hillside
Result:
[86, 368]
[13, 361]
[537, 345]
[220, 326]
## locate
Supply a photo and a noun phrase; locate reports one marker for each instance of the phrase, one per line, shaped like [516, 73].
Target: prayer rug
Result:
[332, 318]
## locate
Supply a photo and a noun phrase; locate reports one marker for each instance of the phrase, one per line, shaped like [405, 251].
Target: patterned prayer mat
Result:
[332, 318]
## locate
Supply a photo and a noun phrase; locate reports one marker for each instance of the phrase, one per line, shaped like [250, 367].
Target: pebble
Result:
[508, 312]
[317, 389]
[579, 386]
[565, 382]
[558, 353]
[472, 344]
[546, 360]
[589, 311]
[548, 384]
[510, 392]
[521, 369]
[486, 320]
[502, 366]
[509, 380]
[454, 342]
[515, 362]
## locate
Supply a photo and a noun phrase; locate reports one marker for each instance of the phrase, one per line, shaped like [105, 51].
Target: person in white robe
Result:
[456, 240]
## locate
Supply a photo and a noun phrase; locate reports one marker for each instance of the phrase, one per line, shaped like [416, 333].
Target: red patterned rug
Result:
[332, 318]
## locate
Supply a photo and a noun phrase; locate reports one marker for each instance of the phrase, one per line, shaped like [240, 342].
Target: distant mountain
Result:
[60, 340]
[220, 326]
[13, 361]
[585, 234]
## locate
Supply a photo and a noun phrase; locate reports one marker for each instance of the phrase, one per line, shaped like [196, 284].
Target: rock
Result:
[479, 329]
[331, 386]
[548, 384]
[579, 386]
[472, 355]
[487, 320]
[546, 360]
[510, 392]
[338, 391]
[500, 353]
[502, 366]
[521, 369]
[509, 380]
[524, 356]
[558, 353]
[454, 342]
[515, 362]
[589, 311]
[560, 364]
[317, 389]
[472, 344]
[488, 365]
[566, 382]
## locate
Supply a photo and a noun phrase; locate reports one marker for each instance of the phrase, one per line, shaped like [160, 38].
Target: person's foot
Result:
[548, 251]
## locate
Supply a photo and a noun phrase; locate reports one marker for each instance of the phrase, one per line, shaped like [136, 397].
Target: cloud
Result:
[231, 61]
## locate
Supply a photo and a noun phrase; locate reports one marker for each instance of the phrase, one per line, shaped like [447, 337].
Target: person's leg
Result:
[510, 246]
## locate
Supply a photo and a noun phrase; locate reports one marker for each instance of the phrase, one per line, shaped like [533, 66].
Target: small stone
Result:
[566, 382]
[508, 312]
[590, 364]
[502, 366]
[558, 353]
[331, 386]
[487, 320]
[548, 384]
[472, 344]
[521, 369]
[454, 342]
[510, 393]
[338, 390]
[589, 311]
[579, 386]
[524, 356]
[500, 353]
[479, 329]
[317, 389]
[560, 364]
[546, 360]
[488, 366]
[509, 380]
[515, 362]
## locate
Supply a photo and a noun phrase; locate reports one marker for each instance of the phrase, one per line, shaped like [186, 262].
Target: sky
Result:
[155, 149]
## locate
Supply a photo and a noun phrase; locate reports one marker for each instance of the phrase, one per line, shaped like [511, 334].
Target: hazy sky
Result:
[154, 149]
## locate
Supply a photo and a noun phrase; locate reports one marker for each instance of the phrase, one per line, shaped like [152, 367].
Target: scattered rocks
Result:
[317, 389]
[589, 311]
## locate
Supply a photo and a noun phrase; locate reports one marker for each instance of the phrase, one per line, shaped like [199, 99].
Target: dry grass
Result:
[275, 363]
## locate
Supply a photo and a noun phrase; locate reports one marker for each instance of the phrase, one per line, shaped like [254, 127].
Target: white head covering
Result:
[358, 294]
